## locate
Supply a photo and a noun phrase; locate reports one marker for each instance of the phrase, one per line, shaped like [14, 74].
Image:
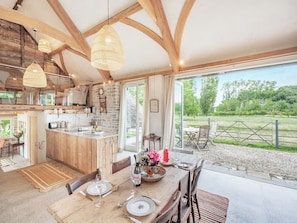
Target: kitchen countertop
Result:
[84, 133]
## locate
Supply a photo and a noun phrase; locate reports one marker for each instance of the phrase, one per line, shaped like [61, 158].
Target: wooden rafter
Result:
[166, 34]
[77, 35]
[62, 63]
[26, 21]
[145, 30]
[116, 18]
[181, 23]
[147, 5]
[221, 63]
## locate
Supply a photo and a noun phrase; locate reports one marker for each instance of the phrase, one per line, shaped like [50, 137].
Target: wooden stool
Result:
[152, 138]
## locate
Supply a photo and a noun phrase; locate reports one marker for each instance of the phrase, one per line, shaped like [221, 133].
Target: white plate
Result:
[183, 165]
[106, 186]
[140, 206]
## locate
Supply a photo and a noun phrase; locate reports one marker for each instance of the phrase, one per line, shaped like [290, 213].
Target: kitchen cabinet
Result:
[83, 152]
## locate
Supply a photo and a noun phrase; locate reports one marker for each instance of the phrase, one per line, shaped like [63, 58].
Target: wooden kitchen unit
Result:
[82, 151]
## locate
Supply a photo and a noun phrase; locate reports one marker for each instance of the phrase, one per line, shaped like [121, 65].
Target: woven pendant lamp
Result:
[107, 50]
[34, 76]
[44, 46]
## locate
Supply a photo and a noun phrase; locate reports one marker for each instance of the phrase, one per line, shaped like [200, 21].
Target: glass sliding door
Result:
[134, 99]
[178, 114]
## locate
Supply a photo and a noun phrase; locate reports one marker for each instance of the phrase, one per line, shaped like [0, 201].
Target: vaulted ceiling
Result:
[160, 36]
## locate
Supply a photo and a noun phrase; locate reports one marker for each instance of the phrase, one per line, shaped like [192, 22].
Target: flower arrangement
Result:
[150, 158]
[18, 135]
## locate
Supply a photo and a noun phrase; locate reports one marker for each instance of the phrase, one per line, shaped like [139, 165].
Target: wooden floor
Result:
[213, 208]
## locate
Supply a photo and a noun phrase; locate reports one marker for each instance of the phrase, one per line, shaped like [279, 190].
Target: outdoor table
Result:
[76, 208]
[191, 134]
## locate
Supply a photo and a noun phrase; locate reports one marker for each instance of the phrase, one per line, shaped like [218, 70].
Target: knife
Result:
[157, 202]
[132, 219]
[86, 195]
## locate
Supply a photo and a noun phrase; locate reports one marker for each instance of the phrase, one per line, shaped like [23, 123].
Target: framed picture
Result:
[154, 104]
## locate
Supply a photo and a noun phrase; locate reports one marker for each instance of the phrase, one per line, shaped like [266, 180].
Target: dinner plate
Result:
[169, 163]
[183, 165]
[106, 186]
[140, 206]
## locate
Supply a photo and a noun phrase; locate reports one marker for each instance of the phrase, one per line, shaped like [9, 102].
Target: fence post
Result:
[208, 121]
[276, 134]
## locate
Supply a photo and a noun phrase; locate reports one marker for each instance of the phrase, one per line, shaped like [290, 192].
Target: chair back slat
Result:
[170, 211]
[82, 180]
[121, 164]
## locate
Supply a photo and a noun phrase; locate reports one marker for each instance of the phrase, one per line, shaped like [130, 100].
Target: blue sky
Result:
[285, 74]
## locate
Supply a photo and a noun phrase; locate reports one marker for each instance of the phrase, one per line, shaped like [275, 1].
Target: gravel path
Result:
[274, 163]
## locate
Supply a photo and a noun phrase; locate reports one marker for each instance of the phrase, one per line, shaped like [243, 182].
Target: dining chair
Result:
[82, 180]
[121, 164]
[194, 183]
[203, 137]
[169, 212]
[184, 210]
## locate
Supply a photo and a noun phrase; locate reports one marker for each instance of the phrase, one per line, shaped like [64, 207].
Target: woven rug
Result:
[46, 176]
[213, 208]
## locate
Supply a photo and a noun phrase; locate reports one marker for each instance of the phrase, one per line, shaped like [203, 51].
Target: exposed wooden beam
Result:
[66, 20]
[245, 59]
[181, 23]
[147, 5]
[58, 50]
[62, 63]
[145, 30]
[123, 14]
[74, 31]
[26, 21]
[222, 63]
[166, 34]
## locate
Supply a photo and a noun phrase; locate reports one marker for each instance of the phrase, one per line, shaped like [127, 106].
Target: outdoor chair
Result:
[194, 183]
[169, 212]
[121, 164]
[82, 180]
[202, 137]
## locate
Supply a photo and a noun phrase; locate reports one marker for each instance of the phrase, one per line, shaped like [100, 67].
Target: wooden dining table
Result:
[77, 208]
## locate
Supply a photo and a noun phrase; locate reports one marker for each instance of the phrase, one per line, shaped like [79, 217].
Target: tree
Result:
[191, 102]
[208, 93]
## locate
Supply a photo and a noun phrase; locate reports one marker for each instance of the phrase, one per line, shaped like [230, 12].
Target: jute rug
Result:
[213, 208]
[46, 176]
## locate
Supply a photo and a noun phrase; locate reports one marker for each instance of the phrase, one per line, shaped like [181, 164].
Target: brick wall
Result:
[109, 121]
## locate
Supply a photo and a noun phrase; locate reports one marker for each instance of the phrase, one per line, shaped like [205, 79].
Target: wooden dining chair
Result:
[169, 212]
[121, 164]
[194, 183]
[82, 180]
[202, 137]
[184, 210]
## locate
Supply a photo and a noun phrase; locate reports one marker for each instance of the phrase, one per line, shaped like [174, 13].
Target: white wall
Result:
[156, 92]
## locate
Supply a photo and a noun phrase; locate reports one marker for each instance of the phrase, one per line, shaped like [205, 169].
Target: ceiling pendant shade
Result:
[107, 50]
[44, 46]
[34, 76]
